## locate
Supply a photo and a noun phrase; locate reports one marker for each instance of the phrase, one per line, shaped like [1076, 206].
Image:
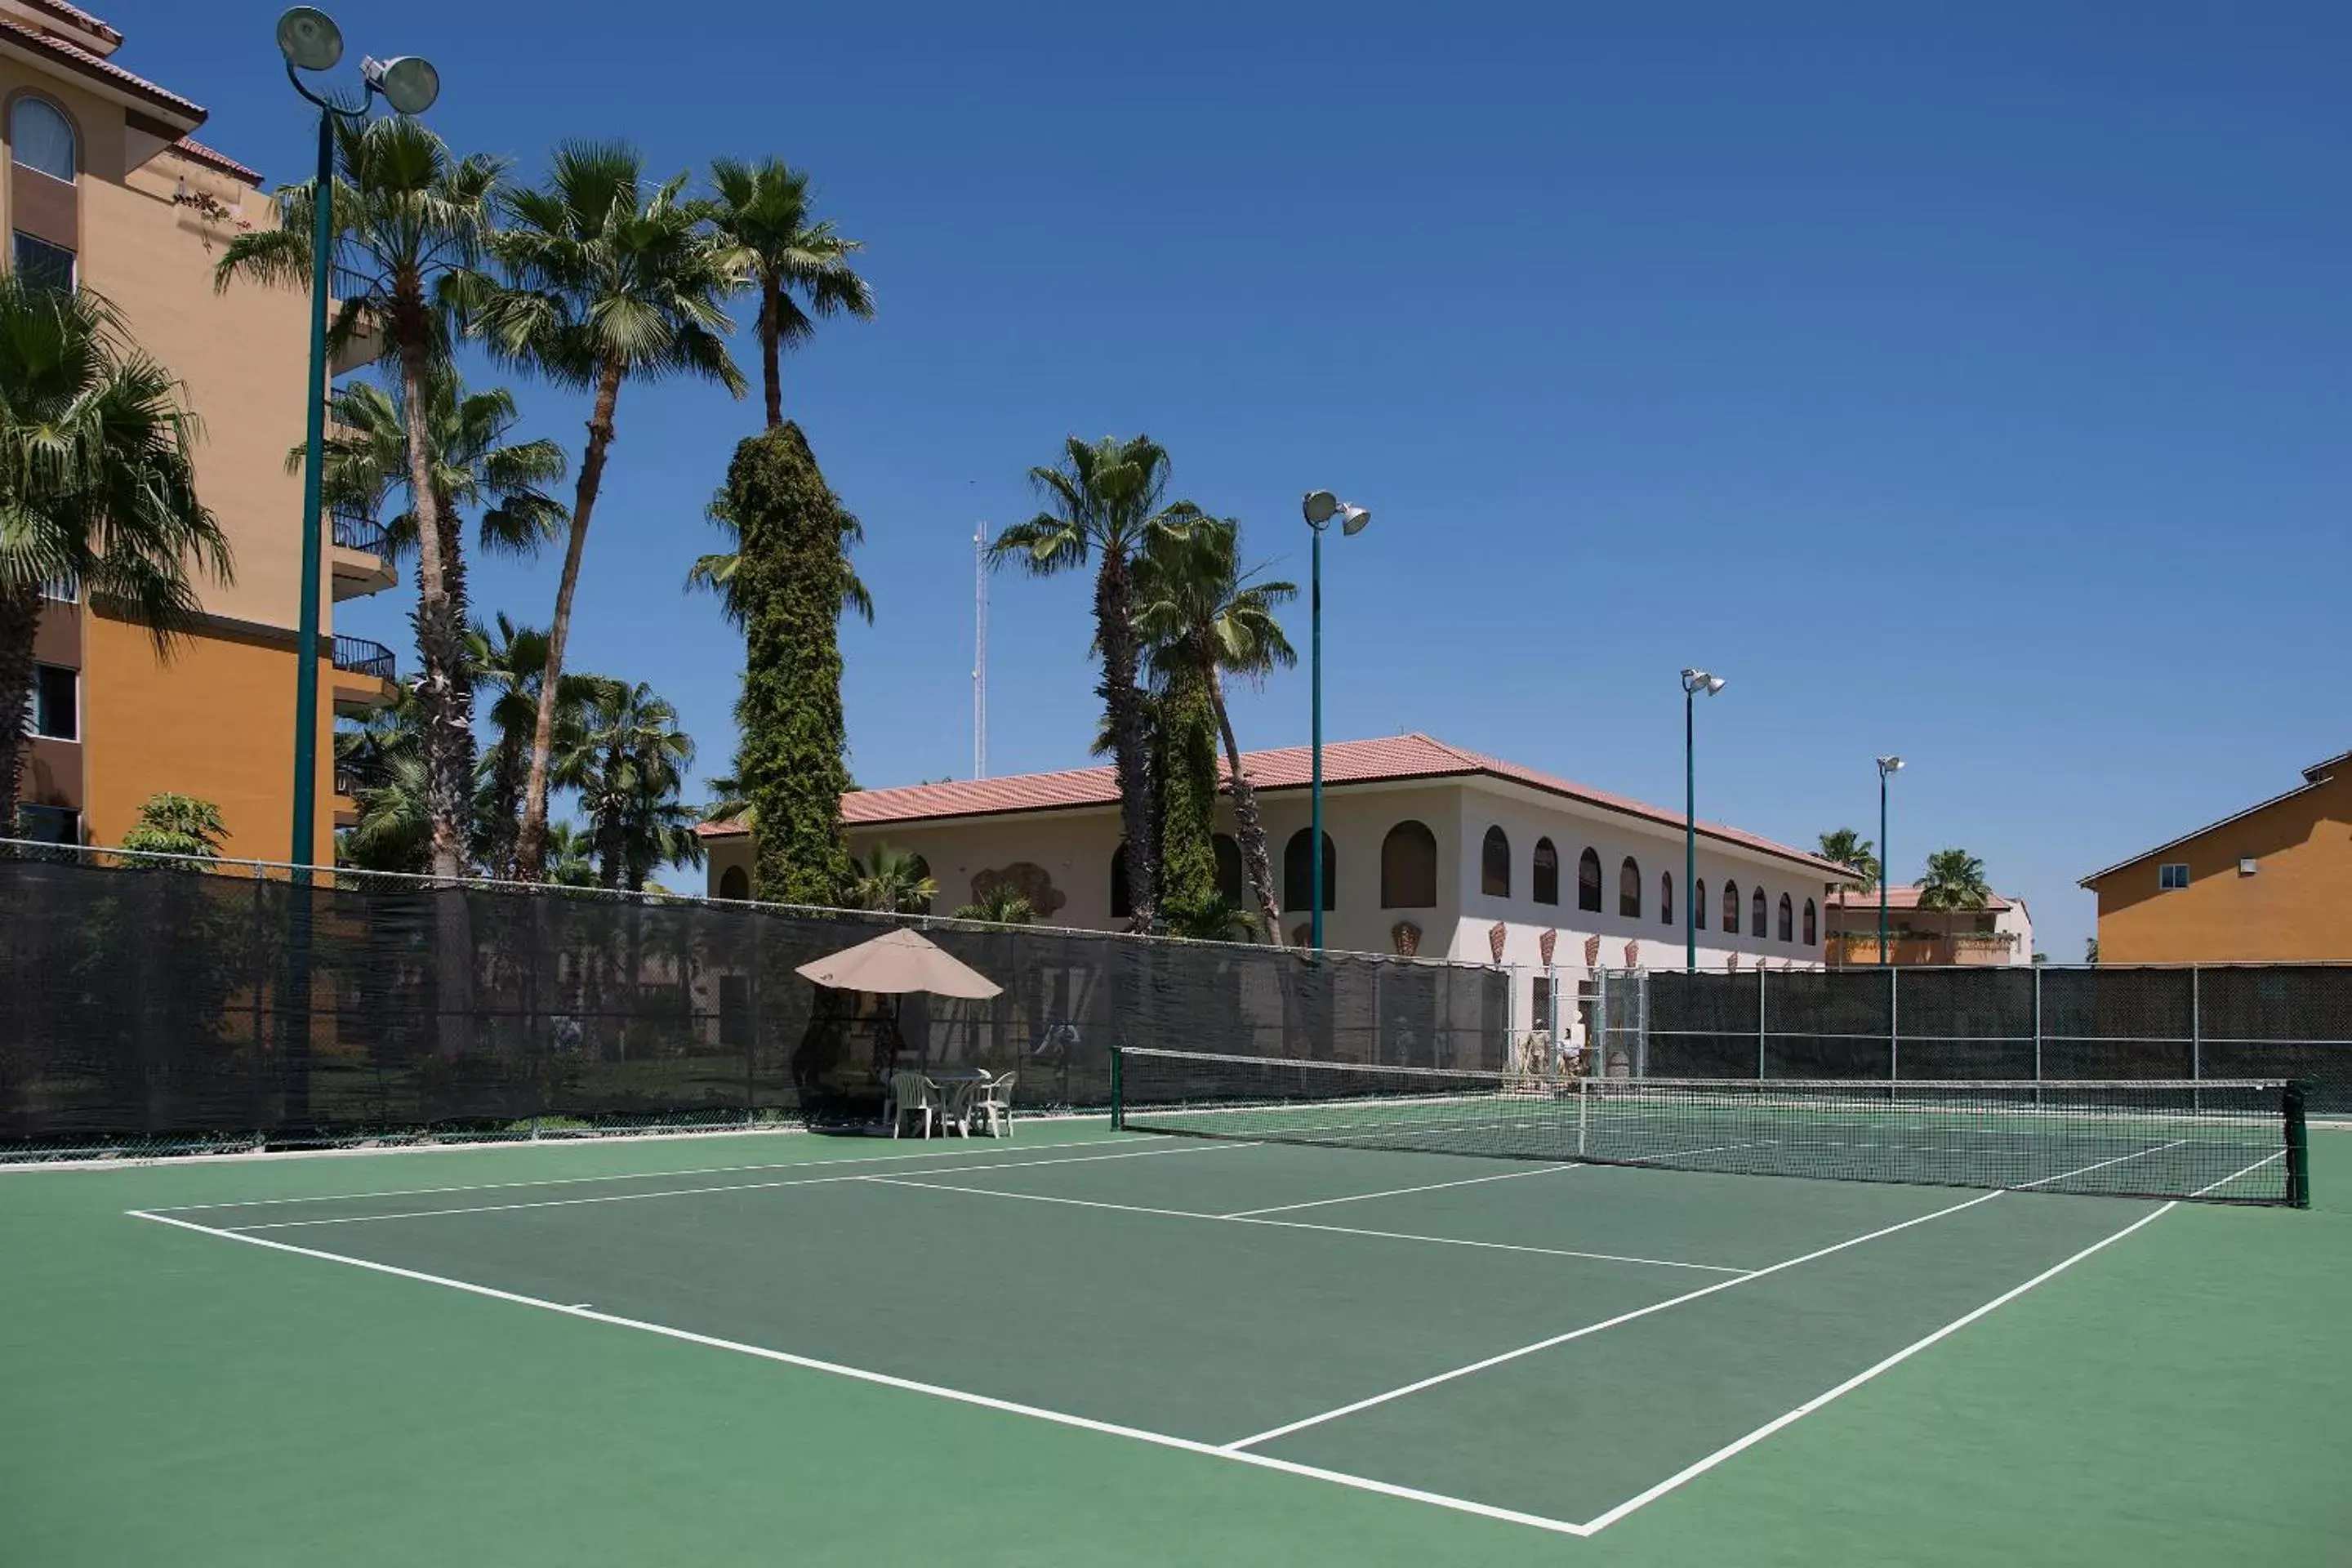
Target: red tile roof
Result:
[1906, 899]
[191, 148]
[88, 64]
[1396, 758]
[78, 17]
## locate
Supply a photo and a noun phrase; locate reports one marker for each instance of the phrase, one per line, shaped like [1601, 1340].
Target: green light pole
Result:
[1693, 682]
[1320, 507]
[311, 41]
[1887, 766]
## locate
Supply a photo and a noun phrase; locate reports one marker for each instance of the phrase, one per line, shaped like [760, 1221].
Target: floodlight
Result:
[1318, 507]
[309, 39]
[408, 82]
[1352, 517]
[1890, 765]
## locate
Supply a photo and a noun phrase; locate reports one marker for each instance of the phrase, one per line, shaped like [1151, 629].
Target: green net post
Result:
[2298, 1146]
[1118, 1099]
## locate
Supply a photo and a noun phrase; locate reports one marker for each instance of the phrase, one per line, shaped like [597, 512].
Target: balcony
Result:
[366, 342]
[365, 673]
[347, 790]
[359, 555]
[1908, 945]
[62, 591]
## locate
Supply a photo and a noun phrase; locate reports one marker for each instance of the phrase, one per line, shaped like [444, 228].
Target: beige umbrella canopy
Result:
[898, 962]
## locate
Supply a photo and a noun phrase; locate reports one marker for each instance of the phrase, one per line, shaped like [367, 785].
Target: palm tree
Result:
[1103, 502]
[383, 757]
[178, 825]
[728, 801]
[895, 881]
[1202, 617]
[1848, 847]
[1955, 880]
[97, 484]
[716, 573]
[410, 218]
[606, 278]
[1003, 904]
[761, 220]
[510, 660]
[629, 768]
[571, 861]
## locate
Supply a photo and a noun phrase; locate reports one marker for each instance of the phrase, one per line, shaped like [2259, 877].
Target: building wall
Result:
[2296, 907]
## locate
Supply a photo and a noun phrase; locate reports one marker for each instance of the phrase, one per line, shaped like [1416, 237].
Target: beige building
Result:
[2000, 932]
[107, 189]
[1429, 849]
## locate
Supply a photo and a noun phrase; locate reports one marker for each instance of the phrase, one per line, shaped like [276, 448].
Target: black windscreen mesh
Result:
[152, 1006]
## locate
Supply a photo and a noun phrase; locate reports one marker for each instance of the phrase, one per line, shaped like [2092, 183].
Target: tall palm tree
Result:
[509, 662]
[383, 755]
[1104, 504]
[571, 856]
[1955, 880]
[605, 277]
[759, 216]
[1848, 847]
[410, 218]
[96, 483]
[629, 768]
[1202, 617]
[716, 573]
[895, 881]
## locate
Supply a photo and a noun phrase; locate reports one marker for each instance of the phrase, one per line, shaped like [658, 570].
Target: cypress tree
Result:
[1189, 899]
[791, 578]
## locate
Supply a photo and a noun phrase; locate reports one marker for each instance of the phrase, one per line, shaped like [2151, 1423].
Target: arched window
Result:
[1229, 868]
[734, 883]
[1408, 867]
[1788, 919]
[1547, 873]
[1756, 914]
[1298, 873]
[1122, 899]
[1628, 890]
[1588, 882]
[41, 138]
[1730, 908]
[1665, 898]
[1813, 924]
[1698, 904]
[1495, 865]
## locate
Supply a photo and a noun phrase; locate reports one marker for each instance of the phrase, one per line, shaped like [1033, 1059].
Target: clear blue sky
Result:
[1971, 383]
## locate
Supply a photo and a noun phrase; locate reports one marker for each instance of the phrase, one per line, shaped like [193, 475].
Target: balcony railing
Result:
[347, 783]
[354, 531]
[62, 589]
[357, 656]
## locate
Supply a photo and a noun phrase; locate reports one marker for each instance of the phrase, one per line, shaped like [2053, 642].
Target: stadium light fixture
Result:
[1694, 681]
[1319, 507]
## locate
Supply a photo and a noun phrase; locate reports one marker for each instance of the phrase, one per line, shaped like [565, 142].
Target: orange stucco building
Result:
[105, 189]
[2272, 884]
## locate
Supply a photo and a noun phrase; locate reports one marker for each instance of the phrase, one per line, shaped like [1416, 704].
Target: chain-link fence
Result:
[2109, 1021]
[150, 1003]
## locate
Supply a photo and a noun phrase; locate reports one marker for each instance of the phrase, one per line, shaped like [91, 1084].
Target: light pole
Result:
[1886, 767]
[1320, 508]
[1693, 682]
[311, 41]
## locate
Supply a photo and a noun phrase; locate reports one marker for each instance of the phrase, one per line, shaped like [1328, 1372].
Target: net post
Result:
[2298, 1145]
[1117, 1089]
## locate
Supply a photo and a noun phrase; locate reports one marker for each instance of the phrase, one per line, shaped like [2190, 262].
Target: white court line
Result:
[703, 1191]
[1398, 1191]
[1691, 1472]
[860, 1374]
[616, 1176]
[1304, 1225]
[2275, 1154]
[2136, 1155]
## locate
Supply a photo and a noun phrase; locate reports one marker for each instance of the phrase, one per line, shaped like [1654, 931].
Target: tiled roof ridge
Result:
[79, 18]
[219, 160]
[99, 64]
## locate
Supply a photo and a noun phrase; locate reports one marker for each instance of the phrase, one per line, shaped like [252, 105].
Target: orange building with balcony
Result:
[2270, 885]
[105, 189]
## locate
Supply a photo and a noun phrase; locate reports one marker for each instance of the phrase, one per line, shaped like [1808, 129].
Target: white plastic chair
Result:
[992, 1103]
[912, 1094]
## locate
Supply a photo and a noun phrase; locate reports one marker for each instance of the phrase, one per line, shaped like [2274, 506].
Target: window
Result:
[1628, 890]
[1698, 904]
[1813, 924]
[1547, 873]
[1229, 868]
[1588, 882]
[922, 869]
[48, 824]
[1408, 867]
[734, 883]
[1756, 914]
[1665, 898]
[41, 138]
[1540, 1016]
[56, 705]
[2168, 878]
[1731, 909]
[1298, 873]
[42, 265]
[1122, 901]
[1495, 865]
[1788, 927]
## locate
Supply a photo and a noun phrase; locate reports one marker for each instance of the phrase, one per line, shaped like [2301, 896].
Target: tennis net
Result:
[2219, 1140]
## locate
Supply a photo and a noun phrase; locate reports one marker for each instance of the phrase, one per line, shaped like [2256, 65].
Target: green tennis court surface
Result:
[1082, 1347]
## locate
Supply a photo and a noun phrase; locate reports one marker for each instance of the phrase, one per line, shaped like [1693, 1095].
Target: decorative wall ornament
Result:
[1731, 961]
[1632, 953]
[1544, 944]
[1026, 878]
[1591, 952]
[1496, 937]
[1407, 938]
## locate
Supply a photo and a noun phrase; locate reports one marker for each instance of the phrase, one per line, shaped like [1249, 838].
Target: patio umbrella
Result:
[898, 962]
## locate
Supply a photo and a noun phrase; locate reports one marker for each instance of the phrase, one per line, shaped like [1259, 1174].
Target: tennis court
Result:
[1086, 1345]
